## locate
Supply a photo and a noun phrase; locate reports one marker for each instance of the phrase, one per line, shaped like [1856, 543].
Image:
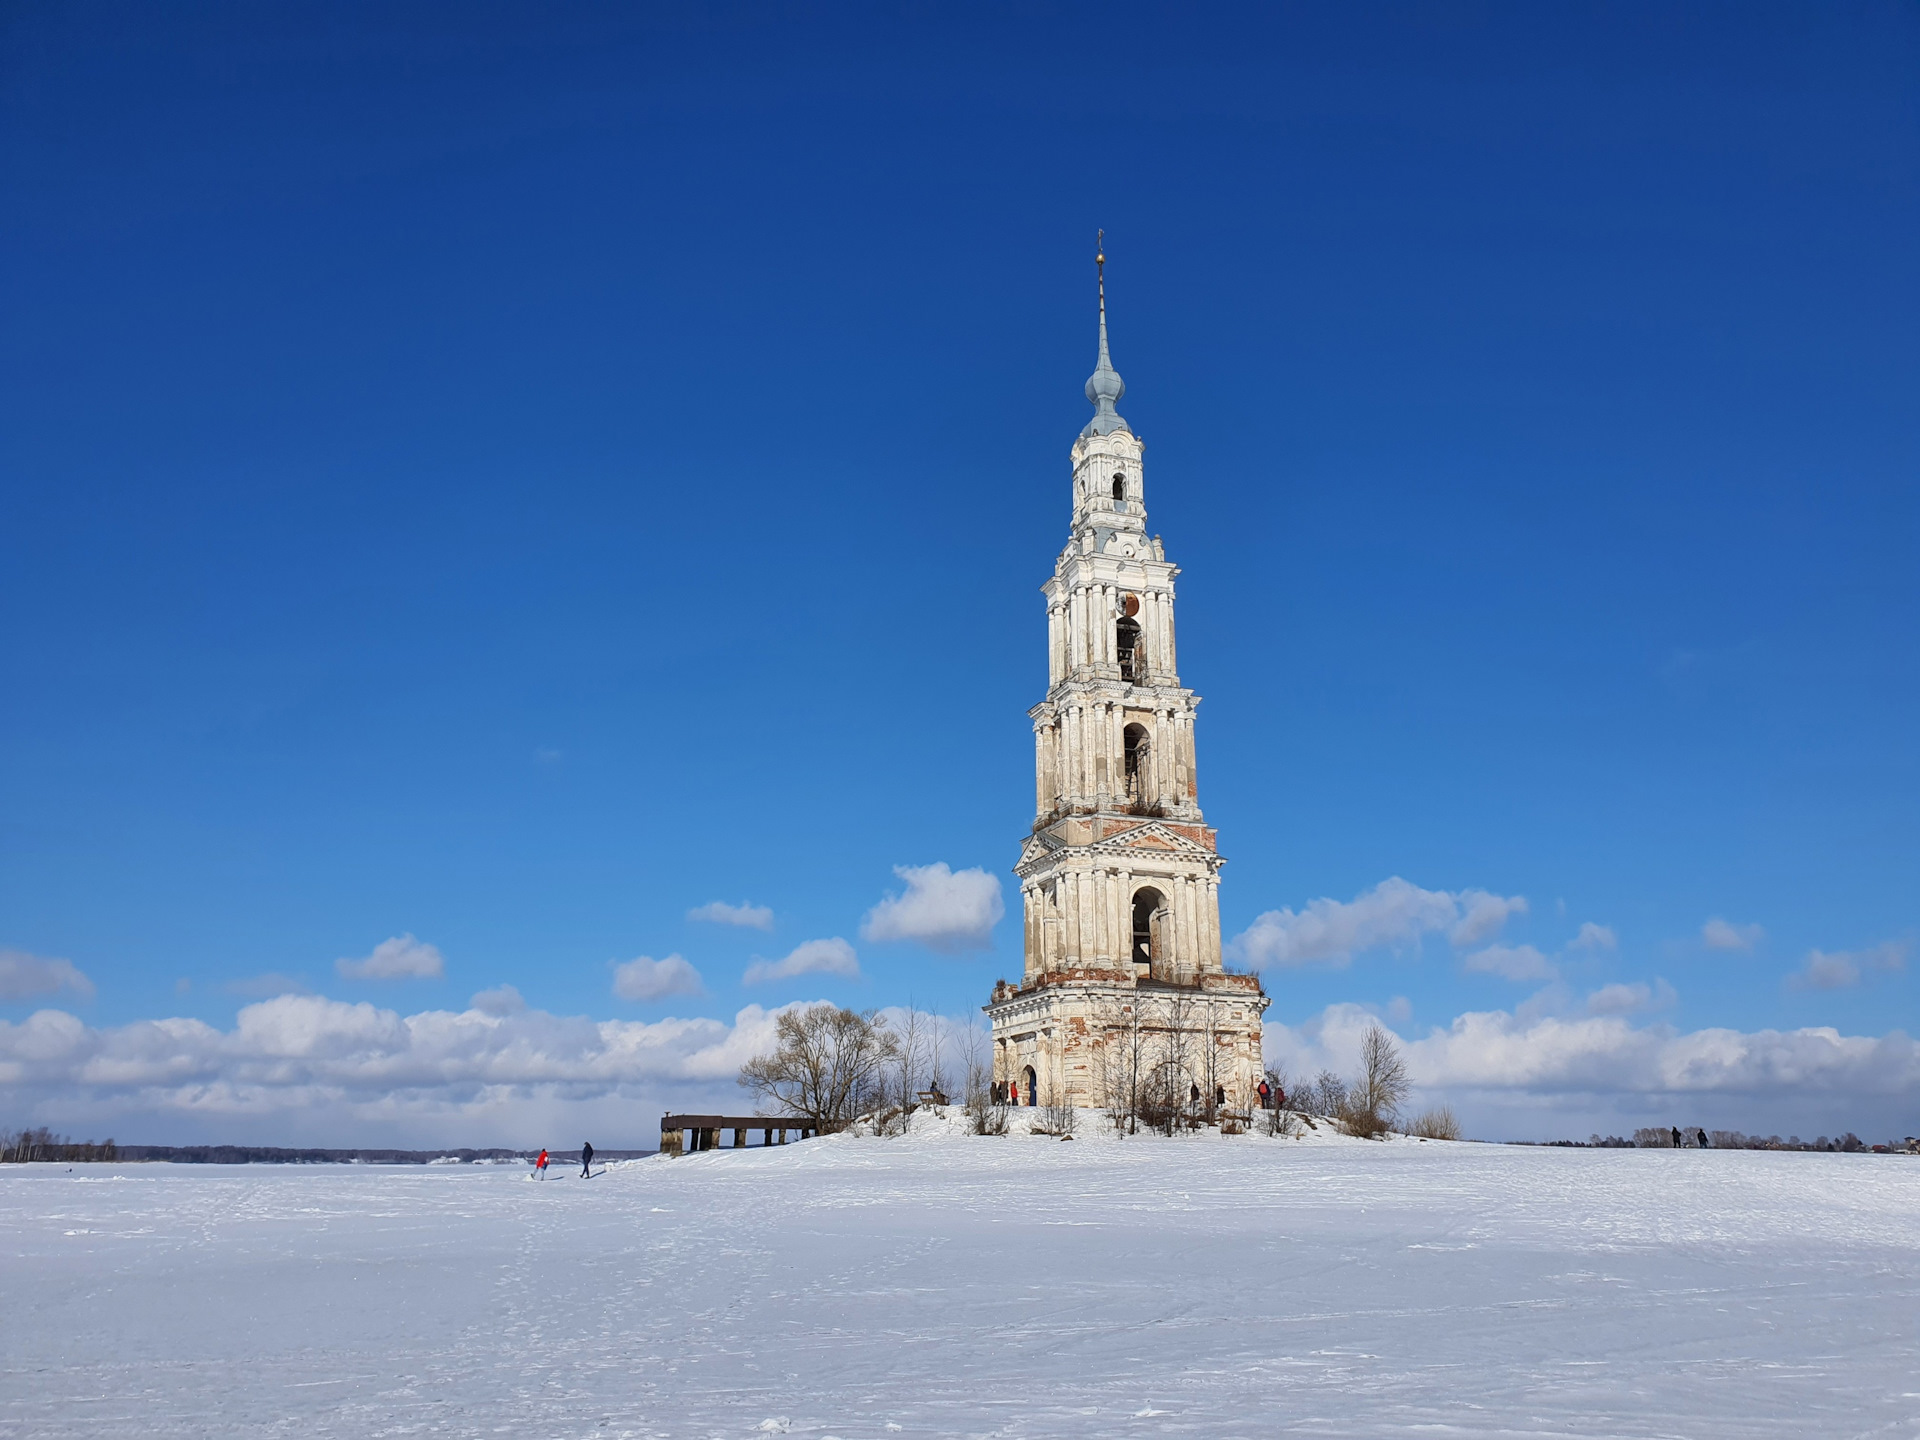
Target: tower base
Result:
[1103, 1039]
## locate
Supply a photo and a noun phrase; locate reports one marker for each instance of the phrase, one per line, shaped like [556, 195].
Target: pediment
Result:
[1037, 847]
[1152, 836]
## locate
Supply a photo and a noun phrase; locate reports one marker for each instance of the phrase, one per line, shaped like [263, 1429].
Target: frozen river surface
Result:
[960, 1287]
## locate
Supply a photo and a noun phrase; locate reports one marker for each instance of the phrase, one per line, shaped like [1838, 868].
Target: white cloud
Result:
[1394, 914]
[1510, 962]
[24, 977]
[943, 909]
[1594, 937]
[750, 917]
[812, 957]
[1399, 1010]
[502, 1000]
[1838, 969]
[1718, 934]
[1826, 972]
[645, 978]
[1483, 915]
[308, 1069]
[1630, 999]
[399, 958]
[1548, 1075]
[265, 987]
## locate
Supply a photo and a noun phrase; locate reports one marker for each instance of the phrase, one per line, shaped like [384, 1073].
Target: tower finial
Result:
[1104, 386]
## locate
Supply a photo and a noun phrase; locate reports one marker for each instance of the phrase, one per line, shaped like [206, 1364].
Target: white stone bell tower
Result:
[1120, 877]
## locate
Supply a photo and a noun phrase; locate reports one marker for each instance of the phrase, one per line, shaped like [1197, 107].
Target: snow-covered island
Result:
[942, 1283]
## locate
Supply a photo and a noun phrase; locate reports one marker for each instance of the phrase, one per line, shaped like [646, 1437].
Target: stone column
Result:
[1070, 914]
[1189, 927]
[1040, 769]
[1210, 918]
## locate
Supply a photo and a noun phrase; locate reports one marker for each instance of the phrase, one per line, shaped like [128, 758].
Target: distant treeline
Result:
[18, 1147]
[1662, 1138]
[278, 1155]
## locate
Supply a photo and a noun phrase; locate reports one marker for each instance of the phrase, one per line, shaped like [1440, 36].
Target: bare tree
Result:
[987, 1115]
[1172, 1089]
[1380, 1087]
[1122, 1061]
[909, 1065]
[936, 1071]
[1328, 1095]
[1209, 1061]
[827, 1064]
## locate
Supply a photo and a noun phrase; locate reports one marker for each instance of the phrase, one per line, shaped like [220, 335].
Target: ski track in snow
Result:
[938, 1285]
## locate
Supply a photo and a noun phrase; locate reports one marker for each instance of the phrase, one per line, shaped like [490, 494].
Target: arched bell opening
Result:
[1149, 934]
[1138, 749]
[1127, 646]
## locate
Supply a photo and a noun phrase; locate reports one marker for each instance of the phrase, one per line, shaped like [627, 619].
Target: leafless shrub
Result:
[1364, 1124]
[827, 1066]
[1055, 1118]
[1436, 1124]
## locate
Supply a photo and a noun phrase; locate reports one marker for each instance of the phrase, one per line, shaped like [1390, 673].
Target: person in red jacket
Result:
[540, 1165]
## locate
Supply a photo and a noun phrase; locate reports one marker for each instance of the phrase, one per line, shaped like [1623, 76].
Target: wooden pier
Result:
[687, 1134]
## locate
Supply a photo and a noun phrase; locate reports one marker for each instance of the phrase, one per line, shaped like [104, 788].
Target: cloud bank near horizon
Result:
[1523, 1073]
[305, 1069]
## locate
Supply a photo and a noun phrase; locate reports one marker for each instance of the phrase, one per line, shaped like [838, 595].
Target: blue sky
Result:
[510, 479]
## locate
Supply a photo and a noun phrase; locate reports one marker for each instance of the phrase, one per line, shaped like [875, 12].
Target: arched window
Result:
[1139, 749]
[1127, 647]
[1119, 486]
[1147, 905]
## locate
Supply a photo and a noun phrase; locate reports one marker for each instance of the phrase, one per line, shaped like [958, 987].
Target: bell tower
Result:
[1120, 876]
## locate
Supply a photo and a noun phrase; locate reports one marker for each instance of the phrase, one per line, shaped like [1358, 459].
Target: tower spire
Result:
[1104, 386]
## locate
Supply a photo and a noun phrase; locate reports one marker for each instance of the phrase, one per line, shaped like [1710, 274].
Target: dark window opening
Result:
[1146, 950]
[1132, 657]
[1119, 487]
[1138, 750]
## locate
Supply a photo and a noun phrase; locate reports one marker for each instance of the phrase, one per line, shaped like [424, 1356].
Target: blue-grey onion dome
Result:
[1104, 389]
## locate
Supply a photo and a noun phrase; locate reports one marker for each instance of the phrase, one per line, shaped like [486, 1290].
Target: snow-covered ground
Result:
[950, 1286]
